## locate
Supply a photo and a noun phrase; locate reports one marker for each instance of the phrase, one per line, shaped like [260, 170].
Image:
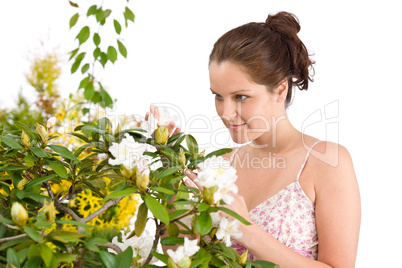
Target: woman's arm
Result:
[337, 217]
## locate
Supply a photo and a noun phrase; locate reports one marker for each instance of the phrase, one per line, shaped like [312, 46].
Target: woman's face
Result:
[247, 109]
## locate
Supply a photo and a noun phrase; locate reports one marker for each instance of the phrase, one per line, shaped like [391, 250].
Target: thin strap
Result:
[305, 160]
[233, 155]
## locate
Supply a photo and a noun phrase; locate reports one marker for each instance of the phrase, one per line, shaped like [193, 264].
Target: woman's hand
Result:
[171, 126]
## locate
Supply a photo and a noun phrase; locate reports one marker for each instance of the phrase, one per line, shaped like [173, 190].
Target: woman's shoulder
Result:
[229, 155]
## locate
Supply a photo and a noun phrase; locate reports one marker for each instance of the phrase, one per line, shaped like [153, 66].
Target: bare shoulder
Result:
[229, 155]
[333, 163]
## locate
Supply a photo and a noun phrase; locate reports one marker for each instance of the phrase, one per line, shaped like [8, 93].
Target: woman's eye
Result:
[217, 96]
[241, 97]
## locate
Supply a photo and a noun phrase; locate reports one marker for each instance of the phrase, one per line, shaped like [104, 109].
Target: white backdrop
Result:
[354, 100]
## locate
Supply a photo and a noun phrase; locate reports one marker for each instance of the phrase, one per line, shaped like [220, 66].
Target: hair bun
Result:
[284, 23]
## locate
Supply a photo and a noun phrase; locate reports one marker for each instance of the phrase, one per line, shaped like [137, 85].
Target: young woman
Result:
[300, 194]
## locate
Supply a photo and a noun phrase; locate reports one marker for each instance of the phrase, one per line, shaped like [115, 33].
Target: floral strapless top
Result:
[289, 216]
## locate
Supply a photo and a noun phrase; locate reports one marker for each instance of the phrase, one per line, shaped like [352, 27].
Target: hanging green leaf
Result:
[83, 35]
[111, 54]
[91, 10]
[141, 221]
[125, 258]
[74, 20]
[77, 62]
[46, 254]
[122, 49]
[192, 146]
[85, 68]
[73, 53]
[108, 259]
[203, 223]
[97, 39]
[157, 209]
[89, 91]
[58, 168]
[103, 59]
[39, 152]
[10, 142]
[33, 234]
[117, 26]
[128, 15]
[64, 152]
[12, 258]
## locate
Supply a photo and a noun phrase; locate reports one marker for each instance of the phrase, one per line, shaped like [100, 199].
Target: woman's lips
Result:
[236, 127]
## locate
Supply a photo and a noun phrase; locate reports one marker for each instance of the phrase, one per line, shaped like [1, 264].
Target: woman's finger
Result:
[189, 181]
[155, 111]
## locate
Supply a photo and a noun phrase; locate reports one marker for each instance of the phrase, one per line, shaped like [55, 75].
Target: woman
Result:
[305, 209]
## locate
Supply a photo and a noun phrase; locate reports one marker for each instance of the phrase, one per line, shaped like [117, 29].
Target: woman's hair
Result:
[269, 52]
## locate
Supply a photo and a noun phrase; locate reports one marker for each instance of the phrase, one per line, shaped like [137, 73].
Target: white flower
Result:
[216, 171]
[51, 121]
[141, 245]
[165, 117]
[127, 152]
[216, 219]
[150, 125]
[227, 229]
[189, 249]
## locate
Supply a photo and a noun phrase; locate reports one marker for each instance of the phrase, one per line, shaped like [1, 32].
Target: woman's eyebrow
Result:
[235, 92]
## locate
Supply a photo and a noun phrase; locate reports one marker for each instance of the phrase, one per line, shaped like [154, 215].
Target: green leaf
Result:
[103, 59]
[39, 152]
[203, 223]
[117, 26]
[39, 180]
[163, 190]
[77, 62]
[58, 168]
[12, 258]
[124, 259]
[46, 254]
[231, 213]
[219, 152]
[120, 193]
[177, 213]
[89, 91]
[171, 241]
[33, 234]
[97, 39]
[85, 68]
[30, 158]
[97, 53]
[173, 230]
[10, 142]
[73, 53]
[83, 35]
[122, 49]
[203, 206]
[157, 209]
[108, 259]
[91, 10]
[192, 146]
[161, 257]
[74, 20]
[266, 264]
[106, 99]
[33, 262]
[65, 257]
[5, 220]
[141, 220]
[84, 82]
[128, 15]
[63, 151]
[111, 54]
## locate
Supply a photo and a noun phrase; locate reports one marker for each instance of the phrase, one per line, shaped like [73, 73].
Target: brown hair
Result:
[270, 52]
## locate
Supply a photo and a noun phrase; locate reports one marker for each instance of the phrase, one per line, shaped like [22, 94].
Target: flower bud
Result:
[42, 132]
[142, 173]
[208, 194]
[182, 157]
[243, 258]
[51, 122]
[162, 135]
[202, 154]
[127, 172]
[171, 263]
[25, 139]
[50, 211]
[21, 184]
[19, 214]
[118, 129]
[108, 129]
[185, 262]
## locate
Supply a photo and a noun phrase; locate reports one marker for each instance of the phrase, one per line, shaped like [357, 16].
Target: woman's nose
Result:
[229, 110]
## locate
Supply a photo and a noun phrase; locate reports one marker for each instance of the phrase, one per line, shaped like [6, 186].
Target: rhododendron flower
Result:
[150, 125]
[182, 253]
[217, 174]
[127, 152]
[227, 229]
[51, 122]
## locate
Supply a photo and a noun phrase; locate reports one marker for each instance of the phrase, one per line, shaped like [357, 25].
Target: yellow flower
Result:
[162, 134]
[41, 130]
[25, 139]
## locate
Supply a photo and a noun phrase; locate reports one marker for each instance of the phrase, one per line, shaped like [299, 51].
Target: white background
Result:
[356, 91]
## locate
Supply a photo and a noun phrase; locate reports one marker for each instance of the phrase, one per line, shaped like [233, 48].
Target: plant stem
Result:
[102, 209]
[5, 239]
[155, 244]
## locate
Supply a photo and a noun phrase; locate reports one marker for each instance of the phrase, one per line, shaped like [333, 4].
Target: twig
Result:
[5, 239]
[68, 211]
[156, 241]
[107, 205]
[111, 246]
[11, 226]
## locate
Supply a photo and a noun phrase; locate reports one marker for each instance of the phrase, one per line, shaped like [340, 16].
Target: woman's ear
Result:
[282, 91]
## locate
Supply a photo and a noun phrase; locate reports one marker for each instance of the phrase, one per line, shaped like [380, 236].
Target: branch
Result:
[5, 239]
[107, 205]
[11, 226]
[68, 211]
[111, 246]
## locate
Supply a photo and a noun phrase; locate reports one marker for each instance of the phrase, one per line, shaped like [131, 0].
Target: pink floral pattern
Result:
[289, 216]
